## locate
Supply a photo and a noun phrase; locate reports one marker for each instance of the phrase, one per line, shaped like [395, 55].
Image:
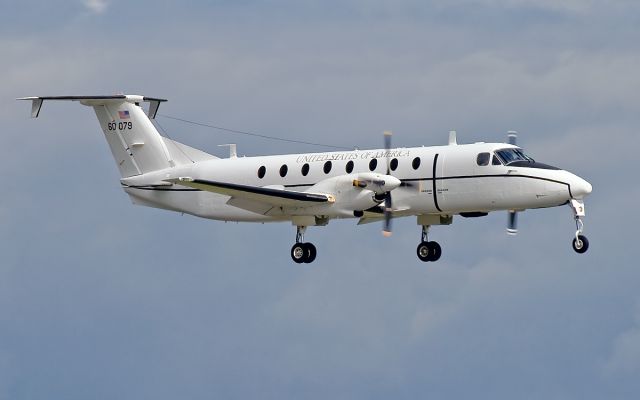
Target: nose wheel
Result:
[428, 250]
[302, 252]
[580, 243]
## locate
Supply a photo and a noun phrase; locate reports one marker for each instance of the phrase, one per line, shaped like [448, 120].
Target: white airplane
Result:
[432, 183]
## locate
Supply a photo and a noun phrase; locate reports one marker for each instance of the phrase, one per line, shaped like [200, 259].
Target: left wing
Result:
[270, 196]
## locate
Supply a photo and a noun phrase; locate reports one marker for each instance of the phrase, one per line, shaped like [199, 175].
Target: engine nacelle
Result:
[355, 192]
[378, 183]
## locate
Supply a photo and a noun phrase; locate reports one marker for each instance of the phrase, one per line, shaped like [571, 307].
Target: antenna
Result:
[232, 149]
[452, 138]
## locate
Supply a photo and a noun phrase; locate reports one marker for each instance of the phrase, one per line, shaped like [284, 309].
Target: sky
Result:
[103, 299]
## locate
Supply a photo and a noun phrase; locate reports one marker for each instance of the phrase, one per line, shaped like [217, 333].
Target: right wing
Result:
[268, 196]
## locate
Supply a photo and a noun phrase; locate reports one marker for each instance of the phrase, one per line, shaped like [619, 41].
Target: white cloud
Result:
[96, 6]
[566, 5]
[625, 356]
[367, 311]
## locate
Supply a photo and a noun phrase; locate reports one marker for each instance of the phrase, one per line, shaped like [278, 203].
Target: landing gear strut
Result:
[580, 243]
[428, 251]
[302, 252]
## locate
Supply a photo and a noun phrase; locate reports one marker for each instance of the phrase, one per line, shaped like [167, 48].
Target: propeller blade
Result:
[387, 147]
[386, 231]
[512, 223]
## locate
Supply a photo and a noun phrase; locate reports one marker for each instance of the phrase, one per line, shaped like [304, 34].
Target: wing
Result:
[269, 196]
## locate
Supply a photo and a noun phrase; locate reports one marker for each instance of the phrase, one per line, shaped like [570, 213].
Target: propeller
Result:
[512, 222]
[386, 230]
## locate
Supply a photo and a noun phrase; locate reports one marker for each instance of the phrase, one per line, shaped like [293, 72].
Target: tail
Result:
[136, 145]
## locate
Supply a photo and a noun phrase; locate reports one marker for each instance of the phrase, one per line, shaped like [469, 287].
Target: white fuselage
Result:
[446, 180]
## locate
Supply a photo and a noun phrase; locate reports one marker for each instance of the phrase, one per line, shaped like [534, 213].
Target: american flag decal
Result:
[123, 114]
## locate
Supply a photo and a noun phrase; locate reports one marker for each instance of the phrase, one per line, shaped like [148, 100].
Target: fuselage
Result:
[469, 179]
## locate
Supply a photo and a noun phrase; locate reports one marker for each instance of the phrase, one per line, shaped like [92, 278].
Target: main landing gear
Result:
[580, 243]
[302, 252]
[428, 251]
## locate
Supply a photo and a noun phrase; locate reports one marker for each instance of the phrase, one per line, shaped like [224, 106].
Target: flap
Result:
[275, 197]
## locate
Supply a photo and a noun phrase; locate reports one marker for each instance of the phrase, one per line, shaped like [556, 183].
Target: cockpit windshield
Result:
[509, 156]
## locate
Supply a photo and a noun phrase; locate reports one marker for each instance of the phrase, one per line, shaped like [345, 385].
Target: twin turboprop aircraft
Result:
[432, 183]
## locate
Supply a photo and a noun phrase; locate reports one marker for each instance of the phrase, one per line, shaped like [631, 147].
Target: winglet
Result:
[154, 104]
[36, 105]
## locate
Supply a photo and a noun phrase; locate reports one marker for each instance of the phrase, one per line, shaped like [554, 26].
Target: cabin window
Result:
[415, 163]
[373, 164]
[483, 159]
[305, 169]
[327, 167]
[261, 171]
[283, 170]
[349, 167]
[393, 165]
[495, 160]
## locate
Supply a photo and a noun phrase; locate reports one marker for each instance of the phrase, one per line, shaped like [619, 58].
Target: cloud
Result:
[625, 355]
[566, 5]
[159, 303]
[96, 6]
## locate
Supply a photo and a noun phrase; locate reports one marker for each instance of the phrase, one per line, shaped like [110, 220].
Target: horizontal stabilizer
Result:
[154, 102]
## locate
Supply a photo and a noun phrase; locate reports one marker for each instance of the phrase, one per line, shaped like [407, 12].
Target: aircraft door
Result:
[456, 184]
[489, 189]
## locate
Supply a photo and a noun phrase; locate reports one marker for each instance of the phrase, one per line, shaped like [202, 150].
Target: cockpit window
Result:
[495, 160]
[512, 155]
[483, 158]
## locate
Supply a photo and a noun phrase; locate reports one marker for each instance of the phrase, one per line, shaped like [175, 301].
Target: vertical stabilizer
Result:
[136, 145]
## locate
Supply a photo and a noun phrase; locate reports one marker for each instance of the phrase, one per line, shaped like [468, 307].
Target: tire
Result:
[581, 247]
[435, 251]
[424, 251]
[298, 253]
[310, 252]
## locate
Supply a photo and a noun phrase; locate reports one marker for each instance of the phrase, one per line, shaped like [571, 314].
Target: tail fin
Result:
[135, 143]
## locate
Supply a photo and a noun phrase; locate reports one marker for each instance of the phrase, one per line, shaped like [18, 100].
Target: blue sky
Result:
[102, 299]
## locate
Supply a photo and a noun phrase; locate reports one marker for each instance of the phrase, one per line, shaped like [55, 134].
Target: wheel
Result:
[435, 251]
[310, 252]
[424, 251]
[298, 253]
[581, 244]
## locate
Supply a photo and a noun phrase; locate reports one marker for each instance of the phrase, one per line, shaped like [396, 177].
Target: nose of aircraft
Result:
[580, 188]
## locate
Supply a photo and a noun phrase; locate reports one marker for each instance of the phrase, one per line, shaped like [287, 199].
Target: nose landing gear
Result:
[580, 243]
[302, 252]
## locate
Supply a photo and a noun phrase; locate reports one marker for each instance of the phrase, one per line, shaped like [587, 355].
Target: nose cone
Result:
[580, 188]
